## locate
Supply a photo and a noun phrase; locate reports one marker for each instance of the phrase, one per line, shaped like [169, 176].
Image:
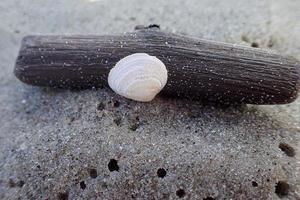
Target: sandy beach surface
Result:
[93, 144]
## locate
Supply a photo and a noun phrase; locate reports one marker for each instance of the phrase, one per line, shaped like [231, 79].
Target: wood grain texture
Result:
[198, 69]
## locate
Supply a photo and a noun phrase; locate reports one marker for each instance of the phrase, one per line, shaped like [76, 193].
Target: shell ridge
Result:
[138, 76]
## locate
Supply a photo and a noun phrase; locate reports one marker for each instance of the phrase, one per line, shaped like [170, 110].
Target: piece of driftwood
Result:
[197, 69]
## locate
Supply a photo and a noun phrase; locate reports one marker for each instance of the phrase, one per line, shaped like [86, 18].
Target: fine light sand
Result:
[93, 144]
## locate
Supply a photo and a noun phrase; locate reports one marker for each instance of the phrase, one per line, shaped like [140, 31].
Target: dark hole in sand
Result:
[20, 183]
[63, 196]
[82, 185]
[118, 121]
[113, 165]
[153, 26]
[287, 149]
[134, 126]
[282, 188]
[254, 184]
[161, 172]
[180, 193]
[209, 198]
[116, 104]
[254, 44]
[93, 173]
[12, 183]
[100, 106]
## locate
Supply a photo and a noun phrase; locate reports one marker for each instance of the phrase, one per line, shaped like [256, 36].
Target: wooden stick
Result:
[198, 69]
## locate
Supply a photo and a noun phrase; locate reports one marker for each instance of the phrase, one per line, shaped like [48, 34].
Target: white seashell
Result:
[138, 76]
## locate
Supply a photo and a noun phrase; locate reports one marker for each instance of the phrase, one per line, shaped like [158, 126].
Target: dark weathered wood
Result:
[197, 68]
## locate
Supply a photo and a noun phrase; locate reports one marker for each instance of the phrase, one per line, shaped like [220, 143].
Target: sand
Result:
[94, 144]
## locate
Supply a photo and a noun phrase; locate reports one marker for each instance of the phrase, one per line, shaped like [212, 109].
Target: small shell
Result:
[138, 76]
